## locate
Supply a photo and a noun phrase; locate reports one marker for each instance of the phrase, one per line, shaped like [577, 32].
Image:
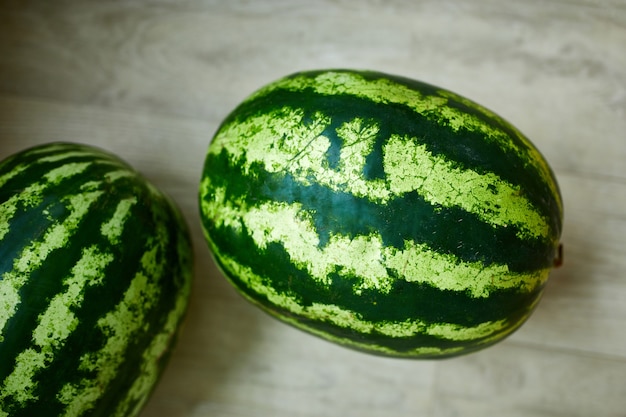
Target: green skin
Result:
[381, 213]
[95, 276]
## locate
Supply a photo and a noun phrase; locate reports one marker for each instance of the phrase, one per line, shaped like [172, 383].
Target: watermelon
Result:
[380, 213]
[95, 273]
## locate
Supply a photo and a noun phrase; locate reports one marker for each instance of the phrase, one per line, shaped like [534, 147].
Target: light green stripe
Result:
[283, 142]
[65, 170]
[362, 257]
[114, 227]
[56, 175]
[114, 176]
[118, 327]
[55, 237]
[348, 319]
[138, 393]
[32, 195]
[7, 211]
[418, 263]
[54, 326]
[61, 151]
[60, 156]
[29, 197]
[419, 351]
[142, 386]
[436, 108]
[35, 254]
[14, 172]
[410, 167]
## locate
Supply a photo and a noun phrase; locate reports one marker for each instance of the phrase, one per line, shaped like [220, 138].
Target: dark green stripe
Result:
[87, 336]
[445, 230]
[37, 290]
[470, 150]
[40, 289]
[406, 300]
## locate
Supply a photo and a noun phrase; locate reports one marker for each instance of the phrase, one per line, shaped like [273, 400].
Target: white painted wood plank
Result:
[513, 381]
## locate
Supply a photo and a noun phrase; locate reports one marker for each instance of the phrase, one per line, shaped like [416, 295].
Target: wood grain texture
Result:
[151, 81]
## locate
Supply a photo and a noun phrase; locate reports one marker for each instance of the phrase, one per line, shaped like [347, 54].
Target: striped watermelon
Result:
[380, 213]
[95, 272]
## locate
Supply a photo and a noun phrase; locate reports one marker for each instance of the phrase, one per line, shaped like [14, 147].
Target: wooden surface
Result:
[151, 80]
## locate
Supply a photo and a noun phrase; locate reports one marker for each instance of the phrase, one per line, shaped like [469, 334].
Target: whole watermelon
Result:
[381, 213]
[95, 273]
